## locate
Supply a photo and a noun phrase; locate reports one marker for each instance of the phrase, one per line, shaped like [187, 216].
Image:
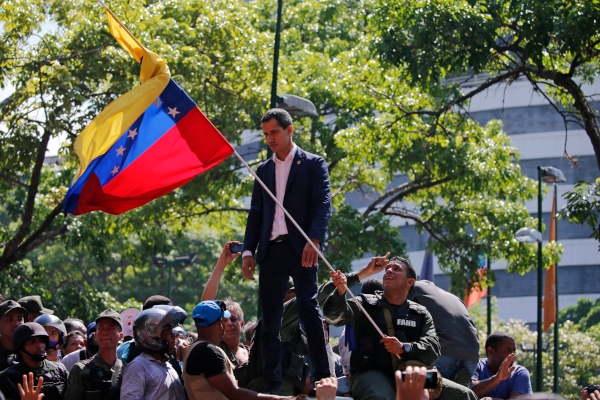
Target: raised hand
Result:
[28, 391]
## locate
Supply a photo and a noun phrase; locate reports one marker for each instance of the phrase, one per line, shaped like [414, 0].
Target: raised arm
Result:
[212, 286]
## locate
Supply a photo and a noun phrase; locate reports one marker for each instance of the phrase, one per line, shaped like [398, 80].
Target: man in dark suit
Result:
[300, 181]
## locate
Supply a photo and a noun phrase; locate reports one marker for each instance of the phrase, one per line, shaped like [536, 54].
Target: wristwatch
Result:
[407, 347]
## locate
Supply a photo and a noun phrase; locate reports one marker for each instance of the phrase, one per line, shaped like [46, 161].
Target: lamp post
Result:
[182, 261]
[554, 176]
[529, 235]
[295, 105]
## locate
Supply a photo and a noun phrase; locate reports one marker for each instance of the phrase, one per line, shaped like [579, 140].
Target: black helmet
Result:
[149, 324]
[27, 331]
[53, 320]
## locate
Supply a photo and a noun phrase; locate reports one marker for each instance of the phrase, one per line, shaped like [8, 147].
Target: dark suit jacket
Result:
[307, 199]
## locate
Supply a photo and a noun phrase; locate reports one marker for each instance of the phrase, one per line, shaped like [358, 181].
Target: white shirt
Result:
[282, 173]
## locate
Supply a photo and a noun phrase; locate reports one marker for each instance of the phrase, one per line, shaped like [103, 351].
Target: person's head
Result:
[91, 344]
[109, 329]
[399, 276]
[370, 285]
[30, 341]
[156, 300]
[277, 129]
[249, 331]
[208, 318]
[11, 316]
[234, 324]
[75, 324]
[75, 341]
[149, 325]
[498, 346]
[55, 328]
[34, 307]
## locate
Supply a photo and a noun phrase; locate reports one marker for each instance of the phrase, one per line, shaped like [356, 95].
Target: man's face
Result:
[9, 323]
[170, 337]
[395, 276]
[278, 139]
[506, 347]
[32, 316]
[233, 327]
[108, 333]
[53, 333]
[34, 345]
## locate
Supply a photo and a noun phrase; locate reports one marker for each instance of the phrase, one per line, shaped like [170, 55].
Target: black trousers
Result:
[279, 264]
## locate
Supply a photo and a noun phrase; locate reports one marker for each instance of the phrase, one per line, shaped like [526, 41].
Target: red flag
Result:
[477, 292]
[550, 287]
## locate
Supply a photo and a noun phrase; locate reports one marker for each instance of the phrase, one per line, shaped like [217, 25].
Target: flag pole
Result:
[360, 306]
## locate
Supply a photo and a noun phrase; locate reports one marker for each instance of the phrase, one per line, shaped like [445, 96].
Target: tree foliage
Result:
[552, 44]
[452, 178]
[583, 206]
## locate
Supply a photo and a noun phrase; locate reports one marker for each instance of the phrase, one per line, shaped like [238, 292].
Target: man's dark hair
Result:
[411, 270]
[249, 330]
[156, 300]
[496, 338]
[71, 324]
[284, 119]
[369, 286]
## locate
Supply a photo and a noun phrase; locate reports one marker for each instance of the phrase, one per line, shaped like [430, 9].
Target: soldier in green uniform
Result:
[98, 377]
[408, 328]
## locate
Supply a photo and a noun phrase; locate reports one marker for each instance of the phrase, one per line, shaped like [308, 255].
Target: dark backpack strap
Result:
[391, 332]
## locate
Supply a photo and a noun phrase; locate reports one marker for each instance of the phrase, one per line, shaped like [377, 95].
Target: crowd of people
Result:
[403, 339]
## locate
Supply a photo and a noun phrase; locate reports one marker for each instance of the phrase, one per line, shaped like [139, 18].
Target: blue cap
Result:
[208, 312]
[91, 329]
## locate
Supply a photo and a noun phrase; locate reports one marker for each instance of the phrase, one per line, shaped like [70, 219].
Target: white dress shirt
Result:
[282, 173]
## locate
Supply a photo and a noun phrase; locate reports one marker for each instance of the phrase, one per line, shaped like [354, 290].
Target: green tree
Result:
[552, 44]
[583, 206]
[451, 177]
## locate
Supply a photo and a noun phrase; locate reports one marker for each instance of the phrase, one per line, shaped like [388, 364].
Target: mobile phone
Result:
[431, 379]
[236, 248]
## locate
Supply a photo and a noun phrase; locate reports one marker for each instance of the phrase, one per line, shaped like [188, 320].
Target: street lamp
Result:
[554, 176]
[295, 105]
[529, 235]
[182, 261]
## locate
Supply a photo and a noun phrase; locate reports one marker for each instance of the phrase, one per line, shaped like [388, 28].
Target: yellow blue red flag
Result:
[146, 143]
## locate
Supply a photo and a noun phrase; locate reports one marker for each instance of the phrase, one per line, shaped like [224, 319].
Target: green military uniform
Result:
[378, 382]
[371, 365]
[92, 379]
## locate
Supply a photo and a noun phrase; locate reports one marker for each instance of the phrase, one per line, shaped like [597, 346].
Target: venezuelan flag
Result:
[477, 292]
[148, 142]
